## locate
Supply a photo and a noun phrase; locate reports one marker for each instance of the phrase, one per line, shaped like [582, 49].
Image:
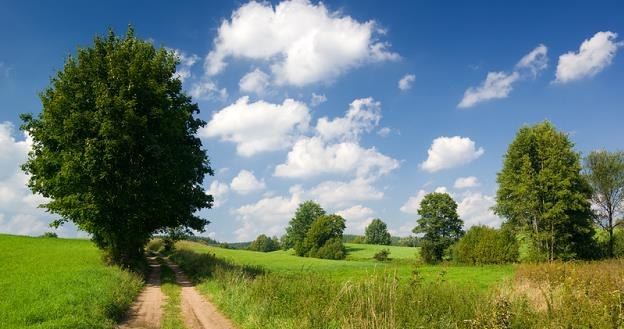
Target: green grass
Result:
[172, 314]
[60, 283]
[359, 264]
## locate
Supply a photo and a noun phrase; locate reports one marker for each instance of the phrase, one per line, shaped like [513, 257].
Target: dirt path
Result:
[146, 312]
[198, 313]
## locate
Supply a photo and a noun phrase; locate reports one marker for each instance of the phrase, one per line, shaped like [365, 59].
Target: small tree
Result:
[324, 238]
[116, 148]
[486, 245]
[605, 173]
[377, 233]
[440, 225]
[298, 227]
[265, 244]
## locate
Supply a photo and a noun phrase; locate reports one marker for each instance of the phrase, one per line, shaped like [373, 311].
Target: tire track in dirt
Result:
[146, 312]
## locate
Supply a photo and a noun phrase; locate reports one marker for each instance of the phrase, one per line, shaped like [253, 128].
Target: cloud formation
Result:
[450, 152]
[245, 183]
[593, 56]
[466, 182]
[302, 42]
[406, 82]
[255, 81]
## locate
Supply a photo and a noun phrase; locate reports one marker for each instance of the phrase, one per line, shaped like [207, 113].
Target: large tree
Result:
[440, 225]
[115, 146]
[377, 233]
[605, 174]
[324, 238]
[306, 214]
[542, 192]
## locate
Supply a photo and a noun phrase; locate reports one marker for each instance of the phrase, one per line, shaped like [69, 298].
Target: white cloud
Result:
[260, 126]
[245, 182]
[356, 218]
[302, 42]
[449, 152]
[403, 230]
[362, 117]
[496, 85]
[592, 57]
[269, 215]
[183, 70]
[317, 100]
[475, 209]
[340, 194]
[535, 61]
[384, 132]
[413, 203]
[208, 90]
[255, 81]
[466, 182]
[312, 156]
[406, 82]
[219, 192]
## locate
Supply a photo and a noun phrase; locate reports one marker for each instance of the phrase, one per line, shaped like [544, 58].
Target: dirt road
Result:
[198, 313]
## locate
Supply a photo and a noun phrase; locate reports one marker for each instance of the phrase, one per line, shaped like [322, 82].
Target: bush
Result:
[431, 252]
[485, 245]
[265, 244]
[382, 255]
[155, 245]
[332, 249]
[49, 235]
[326, 230]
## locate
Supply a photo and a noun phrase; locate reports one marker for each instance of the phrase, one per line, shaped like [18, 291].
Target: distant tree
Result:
[265, 244]
[49, 235]
[486, 245]
[116, 148]
[358, 239]
[605, 173]
[173, 235]
[542, 192]
[409, 241]
[324, 238]
[298, 227]
[440, 224]
[377, 233]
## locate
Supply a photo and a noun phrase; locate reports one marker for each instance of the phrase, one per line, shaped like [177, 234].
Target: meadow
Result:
[280, 290]
[60, 283]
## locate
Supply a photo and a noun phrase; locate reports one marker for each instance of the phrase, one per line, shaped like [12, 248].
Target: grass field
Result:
[60, 283]
[359, 264]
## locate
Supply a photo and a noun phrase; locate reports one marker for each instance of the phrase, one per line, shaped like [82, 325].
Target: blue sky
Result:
[303, 100]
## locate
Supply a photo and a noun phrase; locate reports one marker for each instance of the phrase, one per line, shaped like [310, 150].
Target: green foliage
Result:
[61, 283]
[172, 313]
[172, 236]
[155, 245]
[265, 244]
[324, 238]
[377, 233]
[409, 241]
[49, 235]
[382, 255]
[116, 148]
[542, 192]
[298, 227]
[440, 225]
[359, 239]
[485, 245]
[605, 173]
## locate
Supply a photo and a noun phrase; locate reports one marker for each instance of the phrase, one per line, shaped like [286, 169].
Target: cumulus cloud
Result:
[312, 156]
[406, 82]
[208, 90]
[219, 193]
[593, 56]
[498, 85]
[340, 194]
[255, 81]
[183, 70]
[269, 215]
[384, 132]
[475, 209]
[412, 204]
[260, 126]
[317, 100]
[245, 182]
[449, 152]
[356, 218]
[302, 42]
[466, 182]
[362, 117]
[535, 61]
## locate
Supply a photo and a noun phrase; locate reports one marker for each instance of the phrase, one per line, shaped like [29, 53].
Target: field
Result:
[60, 283]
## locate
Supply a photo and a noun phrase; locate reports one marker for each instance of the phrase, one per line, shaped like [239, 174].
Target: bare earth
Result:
[146, 312]
[198, 313]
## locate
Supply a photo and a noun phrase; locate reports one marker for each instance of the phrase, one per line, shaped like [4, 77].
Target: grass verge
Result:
[172, 313]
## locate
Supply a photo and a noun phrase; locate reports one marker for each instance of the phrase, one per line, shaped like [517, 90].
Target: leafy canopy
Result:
[440, 225]
[324, 238]
[377, 233]
[114, 147]
[306, 214]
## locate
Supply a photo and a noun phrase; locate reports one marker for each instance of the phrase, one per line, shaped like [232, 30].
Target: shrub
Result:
[155, 245]
[332, 249]
[431, 252]
[49, 235]
[485, 245]
[325, 230]
[265, 244]
[382, 255]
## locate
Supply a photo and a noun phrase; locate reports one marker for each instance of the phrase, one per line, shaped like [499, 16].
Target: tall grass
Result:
[172, 313]
[60, 283]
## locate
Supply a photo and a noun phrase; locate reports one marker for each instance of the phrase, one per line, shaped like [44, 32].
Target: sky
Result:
[362, 106]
